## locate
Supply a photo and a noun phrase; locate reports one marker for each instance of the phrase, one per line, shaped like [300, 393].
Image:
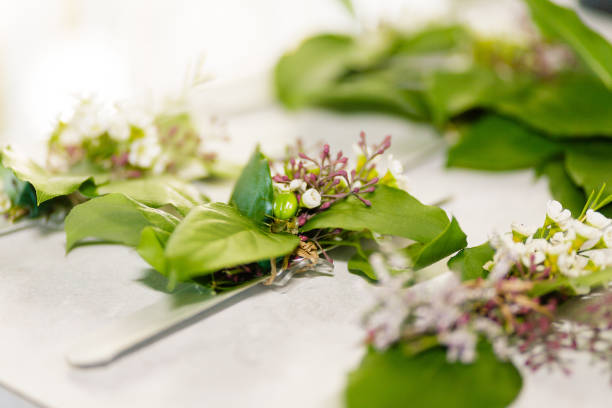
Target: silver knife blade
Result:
[142, 327]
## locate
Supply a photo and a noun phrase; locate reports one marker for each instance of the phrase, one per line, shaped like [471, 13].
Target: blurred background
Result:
[54, 50]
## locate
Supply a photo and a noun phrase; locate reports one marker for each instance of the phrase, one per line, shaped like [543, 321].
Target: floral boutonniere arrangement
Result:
[276, 223]
[510, 296]
[101, 149]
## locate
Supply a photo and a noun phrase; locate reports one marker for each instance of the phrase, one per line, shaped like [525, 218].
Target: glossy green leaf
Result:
[590, 165]
[311, 68]
[114, 218]
[567, 106]
[360, 265]
[157, 192]
[375, 92]
[434, 39]
[449, 241]
[452, 93]
[497, 143]
[151, 247]
[469, 262]
[393, 379]
[564, 24]
[46, 184]
[216, 236]
[562, 187]
[253, 193]
[393, 212]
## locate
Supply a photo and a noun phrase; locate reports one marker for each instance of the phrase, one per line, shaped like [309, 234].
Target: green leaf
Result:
[216, 236]
[372, 91]
[393, 212]
[157, 192]
[253, 193]
[469, 262]
[114, 218]
[448, 242]
[564, 24]
[393, 379]
[359, 265]
[452, 93]
[569, 105]
[434, 39]
[46, 184]
[151, 247]
[311, 68]
[562, 187]
[497, 143]
[590, 165]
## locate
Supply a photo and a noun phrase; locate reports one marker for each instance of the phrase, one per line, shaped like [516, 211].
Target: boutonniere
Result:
[519, 294]
[102, 149]
[277, 223]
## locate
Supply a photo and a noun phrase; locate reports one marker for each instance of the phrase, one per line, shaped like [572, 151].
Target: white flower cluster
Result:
[564, 245]
[440, 307]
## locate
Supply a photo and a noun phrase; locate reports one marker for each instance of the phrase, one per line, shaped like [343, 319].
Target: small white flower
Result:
[535, 252]
[522, 231]
[601, 258]
[597, 219]
[559, 248]
[572, 265]
[607, 237]
[161, 164]
[557, 238]
[282, 187]
[5, 202]
[396, 168]
[587, 235]
[556, 214]
[119, 130]
[143, 152]
[311, 198]
[298, 185]
[461, 345]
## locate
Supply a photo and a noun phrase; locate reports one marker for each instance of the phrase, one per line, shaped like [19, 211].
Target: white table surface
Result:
[273, 348]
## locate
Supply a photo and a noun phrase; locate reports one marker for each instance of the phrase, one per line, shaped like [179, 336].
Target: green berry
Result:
[285, 206]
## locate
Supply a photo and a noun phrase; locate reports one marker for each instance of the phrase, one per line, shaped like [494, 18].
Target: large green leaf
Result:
[360, 265]
[114, 218]
[564, 24]
[562, 187]
[393, 379]
[151, 247]
[433, 40]
[216, 236]
[590, 165]
[451, 93]
[157, 192]
[46, 184]
[311, 68]
[253, 193]
[497, 143]
[569, 105]
[372, 91]
[393, 212]
[469, 262]
[449, 241]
